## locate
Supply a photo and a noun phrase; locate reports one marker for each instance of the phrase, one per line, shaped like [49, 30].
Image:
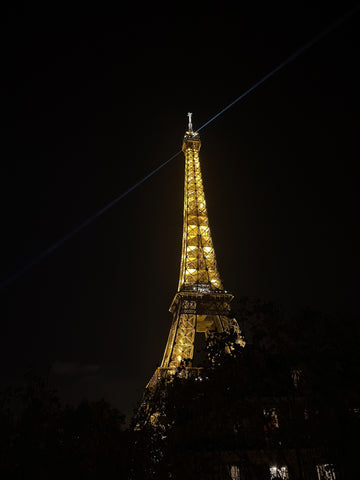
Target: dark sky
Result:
[93, 100]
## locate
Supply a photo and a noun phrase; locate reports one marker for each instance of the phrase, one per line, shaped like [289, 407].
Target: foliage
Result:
[42, 439]
[193, 423]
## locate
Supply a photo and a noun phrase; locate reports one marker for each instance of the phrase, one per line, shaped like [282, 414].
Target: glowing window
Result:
[326, 472]
[234, 471]
[279, 473]
[271, 419]
[355, 412]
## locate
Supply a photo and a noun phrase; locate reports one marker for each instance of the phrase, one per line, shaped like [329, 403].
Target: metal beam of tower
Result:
[48, 251]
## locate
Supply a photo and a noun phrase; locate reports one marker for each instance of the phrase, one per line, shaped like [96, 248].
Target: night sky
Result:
[93, 100]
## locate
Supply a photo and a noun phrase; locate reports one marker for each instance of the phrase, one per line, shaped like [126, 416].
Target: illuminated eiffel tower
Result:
[201, 305]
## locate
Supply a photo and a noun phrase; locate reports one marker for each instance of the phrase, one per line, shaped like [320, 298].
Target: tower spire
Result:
[198, 270]
[190, 128]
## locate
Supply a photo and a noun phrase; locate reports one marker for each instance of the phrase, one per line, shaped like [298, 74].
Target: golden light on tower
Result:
[198, 262]
[200, 305]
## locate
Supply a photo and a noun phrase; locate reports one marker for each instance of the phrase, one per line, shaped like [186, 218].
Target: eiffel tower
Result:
[201, 305]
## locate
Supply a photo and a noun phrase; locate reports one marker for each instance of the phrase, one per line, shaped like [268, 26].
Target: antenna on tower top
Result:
[190, 124]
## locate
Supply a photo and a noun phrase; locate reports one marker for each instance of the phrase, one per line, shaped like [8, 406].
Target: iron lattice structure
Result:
[201, 305]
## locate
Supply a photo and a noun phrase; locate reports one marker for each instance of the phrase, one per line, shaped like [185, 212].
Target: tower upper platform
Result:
[191, 138]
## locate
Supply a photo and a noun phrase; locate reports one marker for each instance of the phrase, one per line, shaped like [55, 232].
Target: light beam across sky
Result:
[10, 279]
